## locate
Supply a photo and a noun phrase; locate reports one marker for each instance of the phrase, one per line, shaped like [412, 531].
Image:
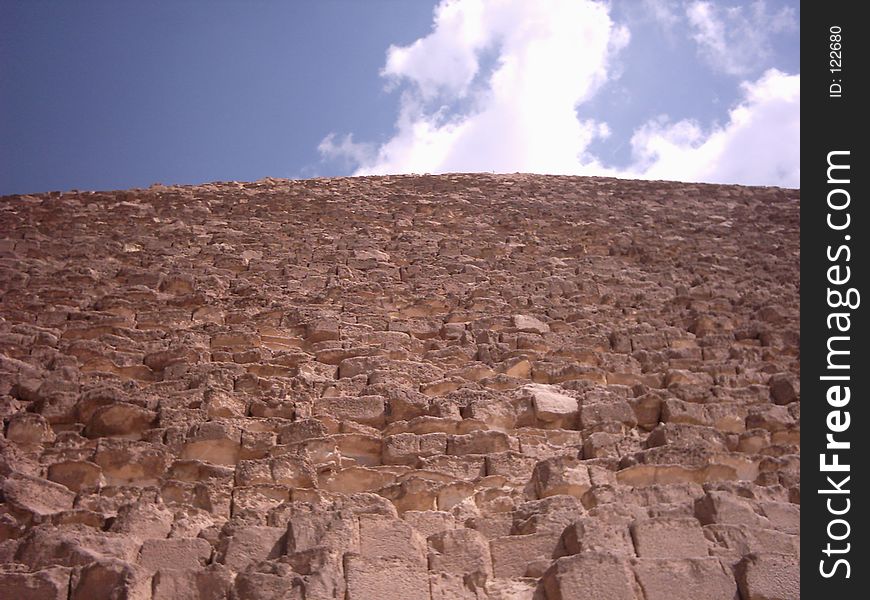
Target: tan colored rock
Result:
[29, 428]
[211, 583]
[769, 577]
[222, 404]
[368, 410]
[666, 537]
[661, 579]
[46, 584]
[512, 554]
[561, 475]
[611, 535]
[73, 545]
[530, 324]
[448, 586]
[550, 405]
[178, 553]
[591, 575]
[35, 497]
[481, 386]
[143, 520]
[309, 529]
[214, 442]
[77, 474]
[383, 537]
[478, 442]
[267, 586]
[459, 551]
[378, 578]
[245, 546]
[131, 462]
[108, 578]
[784, 388]
[120, 420]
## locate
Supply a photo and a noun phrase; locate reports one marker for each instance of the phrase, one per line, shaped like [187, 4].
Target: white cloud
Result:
[734, 40]
[664, 12]
[549, 56]
[496, 86]
[760, 143]
[346, 149]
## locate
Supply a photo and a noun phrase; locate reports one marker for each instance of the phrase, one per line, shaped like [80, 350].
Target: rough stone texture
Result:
[769, 577]
[493, 387]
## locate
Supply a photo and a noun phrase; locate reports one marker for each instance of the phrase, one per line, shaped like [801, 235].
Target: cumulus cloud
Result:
[500, 85]
[736, 39]
[354, 153]
[496, 85]
[758, 145]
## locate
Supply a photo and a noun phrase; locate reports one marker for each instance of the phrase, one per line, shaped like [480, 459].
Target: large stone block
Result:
[244, 546]
[512, 555]
[669, 538]
[685, 579]
[384, 537]
[769, 577]
[459, 551]
[593, 575]
[561, 475]
[47, 584]
[380, 578]
[177, 553]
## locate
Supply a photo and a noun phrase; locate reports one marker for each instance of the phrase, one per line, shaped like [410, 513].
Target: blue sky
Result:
[120, 94]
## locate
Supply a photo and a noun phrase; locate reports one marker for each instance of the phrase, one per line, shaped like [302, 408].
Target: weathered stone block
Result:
[685, 579]
[669, 538]
[592, 575]
[769, 577]
[178, 553]
[379, 578]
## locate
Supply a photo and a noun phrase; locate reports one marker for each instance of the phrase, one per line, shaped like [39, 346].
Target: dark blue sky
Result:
[114, 94]
[120, 94]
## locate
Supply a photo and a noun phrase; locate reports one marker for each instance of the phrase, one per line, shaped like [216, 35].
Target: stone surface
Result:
[593, 575]
[769, 577]
[492, 387]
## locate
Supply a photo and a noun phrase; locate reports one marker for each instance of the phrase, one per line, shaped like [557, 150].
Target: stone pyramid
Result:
[472, 386]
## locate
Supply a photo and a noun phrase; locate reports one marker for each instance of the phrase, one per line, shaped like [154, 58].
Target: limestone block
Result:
[685, 579]
[512, 554]
[527, 323]
[215, 442]
[459, 551]
[267, 586]
[77, 474]
[46, 584]
[131, 462]
[122, 420]
[379, 578]
[107, 578]
[143, 520]
[769, 577]
[591, 534]
[212, 583]
[550, 404]
[368, 410]
[669, 538]
[301, 430]
[309, 529]
[590, 575]
[247, 545]
[29, 428]
[561, 475]
[178, 553]
[478, 442]
[383, 537]
[34, 496]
